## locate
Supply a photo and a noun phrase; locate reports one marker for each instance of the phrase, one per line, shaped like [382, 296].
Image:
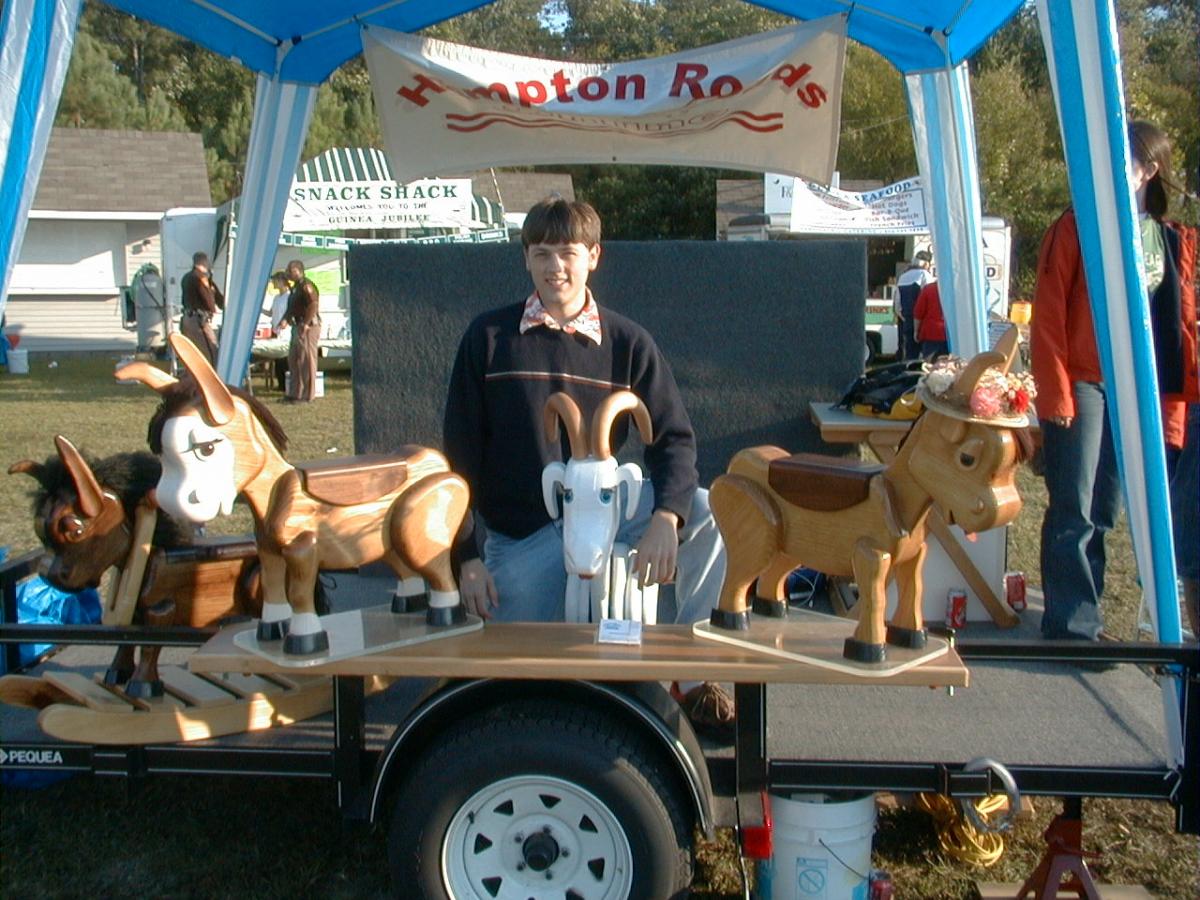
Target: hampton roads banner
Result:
[769, 103]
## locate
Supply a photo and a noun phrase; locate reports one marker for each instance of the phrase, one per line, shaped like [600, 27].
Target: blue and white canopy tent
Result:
[296, 45]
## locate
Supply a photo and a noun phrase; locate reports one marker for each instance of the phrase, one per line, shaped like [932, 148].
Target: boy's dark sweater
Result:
[493, 428]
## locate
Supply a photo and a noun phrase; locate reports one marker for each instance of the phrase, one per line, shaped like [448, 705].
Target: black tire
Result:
[532, 768]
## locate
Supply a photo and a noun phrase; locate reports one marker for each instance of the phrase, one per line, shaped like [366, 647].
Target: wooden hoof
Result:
[912, 638]
[306, 644]
[116, 677]
[441, 616]
[730, 621]
[271, 631]
[860, 651]
[144, 690]
[415, 603]
[763, 606]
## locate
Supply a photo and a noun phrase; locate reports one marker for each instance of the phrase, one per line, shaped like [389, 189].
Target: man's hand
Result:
[477, 588]
[658, 549]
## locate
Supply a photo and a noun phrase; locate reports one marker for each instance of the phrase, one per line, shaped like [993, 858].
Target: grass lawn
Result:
[226, 837]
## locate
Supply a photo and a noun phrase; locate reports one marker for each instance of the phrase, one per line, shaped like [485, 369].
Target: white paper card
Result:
[619, 631]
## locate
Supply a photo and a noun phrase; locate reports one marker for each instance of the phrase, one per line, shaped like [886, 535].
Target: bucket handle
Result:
[1005, 822]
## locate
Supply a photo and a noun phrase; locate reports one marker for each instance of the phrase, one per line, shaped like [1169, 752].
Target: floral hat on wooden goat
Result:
[981, 389]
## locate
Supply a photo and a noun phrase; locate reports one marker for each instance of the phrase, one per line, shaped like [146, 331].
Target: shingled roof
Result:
[89, 170]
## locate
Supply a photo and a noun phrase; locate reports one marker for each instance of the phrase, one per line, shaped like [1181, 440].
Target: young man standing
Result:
[908, 288]
[509, 362]
[304, 316]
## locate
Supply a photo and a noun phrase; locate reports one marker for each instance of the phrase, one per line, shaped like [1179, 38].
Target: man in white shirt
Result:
[279, 305]
[908, 287]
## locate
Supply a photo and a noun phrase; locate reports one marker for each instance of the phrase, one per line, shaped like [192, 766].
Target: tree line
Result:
[126, 73]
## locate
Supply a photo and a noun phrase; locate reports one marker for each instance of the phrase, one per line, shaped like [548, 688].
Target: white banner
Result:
[896, 209]
[769, 102]
[341, 205]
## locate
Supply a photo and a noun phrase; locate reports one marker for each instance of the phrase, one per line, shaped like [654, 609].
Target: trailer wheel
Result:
[539, 799]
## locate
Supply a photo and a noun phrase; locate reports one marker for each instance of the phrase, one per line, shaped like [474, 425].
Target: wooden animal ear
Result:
[27, 467]
[1008, 345]
[91, 497]
[151, 376]
[217, 400]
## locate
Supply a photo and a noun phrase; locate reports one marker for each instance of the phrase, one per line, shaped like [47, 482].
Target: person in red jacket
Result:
[930, 322]
[1082, 481]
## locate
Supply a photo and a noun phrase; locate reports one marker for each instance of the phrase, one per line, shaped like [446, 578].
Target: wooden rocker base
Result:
[358, 633]
[193, 707]
[817, 639]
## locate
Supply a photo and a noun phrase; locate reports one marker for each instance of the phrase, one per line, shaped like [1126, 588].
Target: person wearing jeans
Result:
[1084, 491]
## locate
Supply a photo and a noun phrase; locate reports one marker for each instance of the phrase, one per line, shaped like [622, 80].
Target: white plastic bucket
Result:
[18, 362]
[320, 391]
[822, 847]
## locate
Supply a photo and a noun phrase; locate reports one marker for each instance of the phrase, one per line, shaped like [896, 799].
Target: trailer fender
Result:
[645, 705]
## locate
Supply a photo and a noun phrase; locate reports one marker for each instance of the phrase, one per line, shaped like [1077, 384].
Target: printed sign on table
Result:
[769, 102]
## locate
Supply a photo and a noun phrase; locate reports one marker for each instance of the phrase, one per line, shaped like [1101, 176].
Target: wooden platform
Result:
[570, 651]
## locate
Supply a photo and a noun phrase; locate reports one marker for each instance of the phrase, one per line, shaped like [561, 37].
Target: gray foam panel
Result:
[753, 331]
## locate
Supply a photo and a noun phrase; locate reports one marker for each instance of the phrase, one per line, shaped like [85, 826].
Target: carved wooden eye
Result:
[206, 449]
[568, 495]
[969, 453]
[72, 526]
[606, 495]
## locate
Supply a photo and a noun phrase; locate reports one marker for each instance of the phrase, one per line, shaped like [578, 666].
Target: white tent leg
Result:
[282, 110]
[1081, 47]
[36, 37]
[944, 133]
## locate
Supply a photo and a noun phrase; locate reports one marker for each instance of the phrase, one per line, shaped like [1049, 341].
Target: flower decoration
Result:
[996, 394]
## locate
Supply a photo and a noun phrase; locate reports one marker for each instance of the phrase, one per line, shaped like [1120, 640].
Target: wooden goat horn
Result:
[217, 400]
[560, 407]
[91, 497]
[606, 414]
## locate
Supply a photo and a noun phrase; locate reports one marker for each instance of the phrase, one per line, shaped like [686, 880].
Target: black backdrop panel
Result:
[753, 331]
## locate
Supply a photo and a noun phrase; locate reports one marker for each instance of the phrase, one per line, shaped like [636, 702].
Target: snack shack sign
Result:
[770, 102]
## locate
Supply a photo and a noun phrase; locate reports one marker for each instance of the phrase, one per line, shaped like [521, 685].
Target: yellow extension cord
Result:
[957, 836]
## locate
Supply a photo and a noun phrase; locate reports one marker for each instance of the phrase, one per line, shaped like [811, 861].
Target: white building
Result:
[94, 223]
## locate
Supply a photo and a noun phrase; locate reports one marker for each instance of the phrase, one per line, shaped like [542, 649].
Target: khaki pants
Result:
[302, 361]
[198, 330]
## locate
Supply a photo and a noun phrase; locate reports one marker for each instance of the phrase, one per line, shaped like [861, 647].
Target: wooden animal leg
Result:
[305, 633]
[751, 526]
[907, 628]
[145, 681]
[424, 523]
[411, 594]
[770, 593]
[120, 670]
[276, 611]
[870, 571]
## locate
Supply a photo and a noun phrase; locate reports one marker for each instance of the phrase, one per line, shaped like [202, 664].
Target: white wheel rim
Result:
[532, 836]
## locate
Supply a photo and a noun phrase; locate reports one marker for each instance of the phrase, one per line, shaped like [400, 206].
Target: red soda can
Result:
[956, 608]
[1014, 590]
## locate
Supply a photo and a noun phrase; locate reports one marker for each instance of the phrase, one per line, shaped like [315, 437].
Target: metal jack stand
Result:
[1063, 856]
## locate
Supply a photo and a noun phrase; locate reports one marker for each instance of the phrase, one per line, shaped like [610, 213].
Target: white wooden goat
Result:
[600, 574]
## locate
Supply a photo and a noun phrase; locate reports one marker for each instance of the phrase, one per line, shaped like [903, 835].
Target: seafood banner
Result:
[770, 102]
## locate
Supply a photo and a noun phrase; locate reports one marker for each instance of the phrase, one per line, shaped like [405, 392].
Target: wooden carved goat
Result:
[590, 488]
[91, 518]
[216, 442]
[777, 512]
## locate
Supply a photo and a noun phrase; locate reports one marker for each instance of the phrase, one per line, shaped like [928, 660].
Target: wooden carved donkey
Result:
[216, 442]
[91, 517]
[777, 512]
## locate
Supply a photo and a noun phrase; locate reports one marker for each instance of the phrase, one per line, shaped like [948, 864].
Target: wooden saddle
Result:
[350, 480]
[821, 483]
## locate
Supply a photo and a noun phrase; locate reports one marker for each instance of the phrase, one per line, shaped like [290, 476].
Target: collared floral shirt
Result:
[586, 323]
